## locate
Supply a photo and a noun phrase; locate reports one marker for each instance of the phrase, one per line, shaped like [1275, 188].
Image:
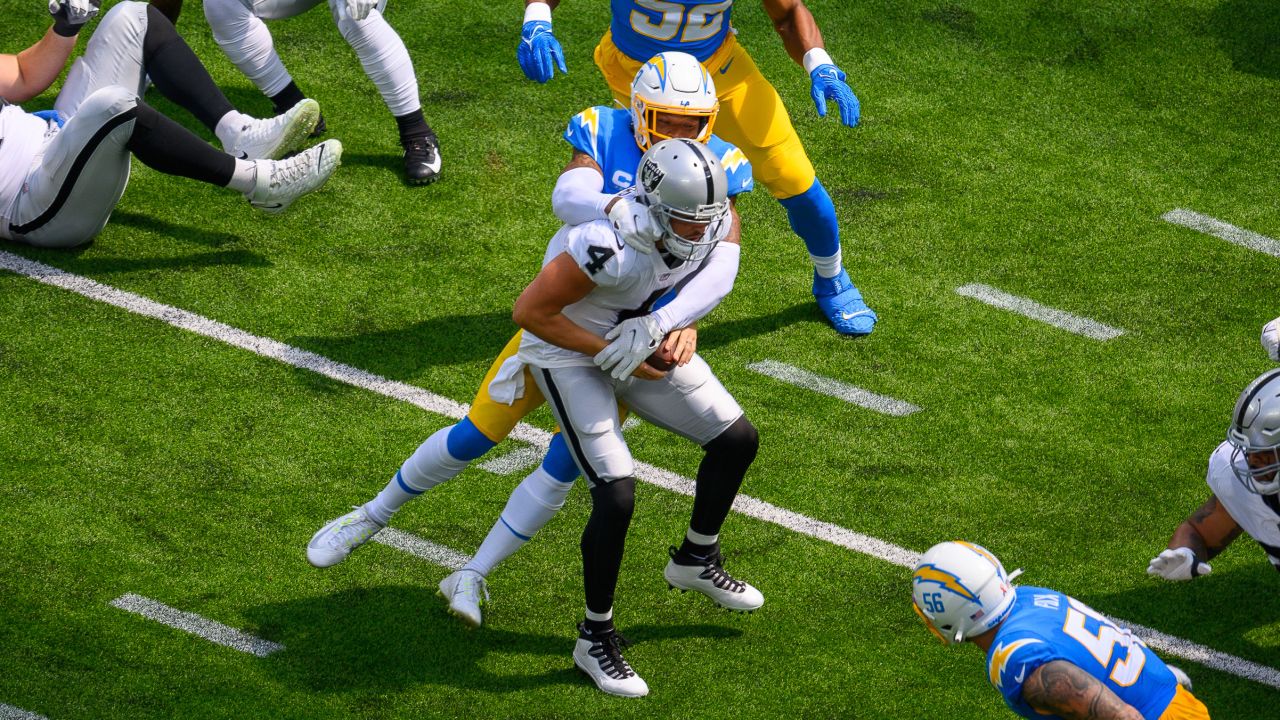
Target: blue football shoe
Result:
[841, 302]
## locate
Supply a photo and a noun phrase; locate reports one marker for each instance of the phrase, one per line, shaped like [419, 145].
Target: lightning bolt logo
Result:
[1000, 659]
[590, 119]
[947, 581]
[733, 160]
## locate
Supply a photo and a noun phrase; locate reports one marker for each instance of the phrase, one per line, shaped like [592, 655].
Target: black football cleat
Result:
[422, 160]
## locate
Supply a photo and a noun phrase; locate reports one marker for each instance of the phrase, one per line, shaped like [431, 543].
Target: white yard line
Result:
[426, 400]
[513, 462]
[1226, 231]
[1030, 308]
[9, 712]
[833, 388]
[210, 630]
[422, 548]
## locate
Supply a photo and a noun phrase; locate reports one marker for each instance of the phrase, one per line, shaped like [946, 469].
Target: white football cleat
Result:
[600, 657]
[280, 182]
[707, 576]
[273, 138]
[335, 541]
[466, 592]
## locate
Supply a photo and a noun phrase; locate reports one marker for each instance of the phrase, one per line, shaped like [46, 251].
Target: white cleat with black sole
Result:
[708, 576]
[273, 138]
[335, 541]
[280, 182]
[600, 657]
[467, 593]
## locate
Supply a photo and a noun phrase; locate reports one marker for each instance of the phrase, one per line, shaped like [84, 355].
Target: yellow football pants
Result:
[1185, 706]
[751, 113]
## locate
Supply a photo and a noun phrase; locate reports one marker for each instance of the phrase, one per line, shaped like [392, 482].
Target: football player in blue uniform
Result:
[1049, 655]
[672, 96]
[752, 115]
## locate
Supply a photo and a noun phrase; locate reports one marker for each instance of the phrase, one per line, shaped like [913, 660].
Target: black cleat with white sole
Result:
[422, 159]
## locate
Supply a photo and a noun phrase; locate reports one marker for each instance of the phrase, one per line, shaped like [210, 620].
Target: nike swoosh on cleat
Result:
[850, 316]
[243, 155]
[725, 69]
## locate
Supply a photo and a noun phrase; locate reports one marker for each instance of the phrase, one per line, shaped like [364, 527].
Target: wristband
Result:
[815, 57]
[537, 11]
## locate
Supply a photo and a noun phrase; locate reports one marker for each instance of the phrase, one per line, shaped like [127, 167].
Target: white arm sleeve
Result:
[704, 290]
[578, 198]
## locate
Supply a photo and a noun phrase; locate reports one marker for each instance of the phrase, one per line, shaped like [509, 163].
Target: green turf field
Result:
[1028, 145]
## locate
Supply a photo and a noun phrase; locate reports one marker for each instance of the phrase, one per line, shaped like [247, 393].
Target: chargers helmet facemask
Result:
[1255, 430]
[684, 180]
[674, 83]
[961, 590]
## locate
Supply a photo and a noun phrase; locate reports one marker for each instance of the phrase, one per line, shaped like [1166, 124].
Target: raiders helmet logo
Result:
[650, 175]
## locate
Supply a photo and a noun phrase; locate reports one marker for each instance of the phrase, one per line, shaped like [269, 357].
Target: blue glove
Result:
[538, 50]
[828, 82]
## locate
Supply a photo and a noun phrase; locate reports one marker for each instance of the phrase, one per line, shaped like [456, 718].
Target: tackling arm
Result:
[1060, 688]
[706, 289]
[578, 196]
[540, 308]
[32, 71]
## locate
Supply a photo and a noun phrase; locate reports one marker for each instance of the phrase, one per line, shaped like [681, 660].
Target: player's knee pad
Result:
[737, 444]
[466, 442]
[614, 502]
[558, 462]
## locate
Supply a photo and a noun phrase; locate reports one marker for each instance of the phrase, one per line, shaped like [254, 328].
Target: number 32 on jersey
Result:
[662, 20]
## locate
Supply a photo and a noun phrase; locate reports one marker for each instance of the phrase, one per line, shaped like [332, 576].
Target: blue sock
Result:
[466, 442]
[813, 218]
[558, 462]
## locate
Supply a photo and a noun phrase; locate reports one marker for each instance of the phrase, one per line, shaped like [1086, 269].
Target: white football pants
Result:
[238, 28]
[689, 402]
[84, 168]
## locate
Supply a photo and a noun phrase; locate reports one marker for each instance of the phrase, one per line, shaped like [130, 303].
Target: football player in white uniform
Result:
[1246, 490]
[241, 33]
[63, 171]
[590, 277]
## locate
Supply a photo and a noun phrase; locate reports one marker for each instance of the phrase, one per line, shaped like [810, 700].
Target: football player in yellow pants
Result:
[752, 115]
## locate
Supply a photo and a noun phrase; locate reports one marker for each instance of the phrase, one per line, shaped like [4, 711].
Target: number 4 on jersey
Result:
[599, 256]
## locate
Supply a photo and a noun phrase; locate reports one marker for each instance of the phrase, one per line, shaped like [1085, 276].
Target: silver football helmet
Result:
[683, 180]
[1255, 433]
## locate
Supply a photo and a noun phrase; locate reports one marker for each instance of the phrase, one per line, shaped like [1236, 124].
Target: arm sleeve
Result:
[703, 291]
[577, 197]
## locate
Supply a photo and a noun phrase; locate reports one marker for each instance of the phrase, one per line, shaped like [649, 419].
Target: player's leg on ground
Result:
[582, 401]
[386, 61]
[691, 402]
[753, 117]
[170, 8]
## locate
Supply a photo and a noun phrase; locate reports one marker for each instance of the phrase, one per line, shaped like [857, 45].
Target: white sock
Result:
[385, 60]
[532, 504]
[430, 465]
[600, 617]
[245, 177]
[229, 127]
[698, 538]
[827, 267]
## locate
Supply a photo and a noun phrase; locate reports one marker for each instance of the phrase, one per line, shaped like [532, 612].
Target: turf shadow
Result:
[198, 235]
[719, 334]
[71, 260]
[1249, 33]
[395, 637]
[400, 353]
[1183, 609]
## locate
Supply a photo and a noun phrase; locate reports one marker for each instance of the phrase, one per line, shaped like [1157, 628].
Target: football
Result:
[662, 360]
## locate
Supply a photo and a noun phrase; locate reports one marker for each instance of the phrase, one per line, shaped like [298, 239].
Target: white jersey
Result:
[1259, 515]
[21, 140]
[628, 282]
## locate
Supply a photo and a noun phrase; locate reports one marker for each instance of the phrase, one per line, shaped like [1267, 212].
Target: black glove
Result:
[71, 15]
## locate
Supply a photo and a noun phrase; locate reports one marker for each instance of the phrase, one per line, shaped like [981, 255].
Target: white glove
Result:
[358, 10]
[633, 341]
[1177, 564]
[634, 224]
[1271, 339]
[78, 11]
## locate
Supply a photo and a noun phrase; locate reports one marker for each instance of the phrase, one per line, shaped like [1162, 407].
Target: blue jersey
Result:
[644, 28]
[1046, 625]
[607, 135]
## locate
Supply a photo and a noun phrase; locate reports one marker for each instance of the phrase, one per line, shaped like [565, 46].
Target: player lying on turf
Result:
[752, 115]
[1245, 493]
[63, 171]
[590, 276]
[672, 96]
[241, 33]
[1049, 655]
